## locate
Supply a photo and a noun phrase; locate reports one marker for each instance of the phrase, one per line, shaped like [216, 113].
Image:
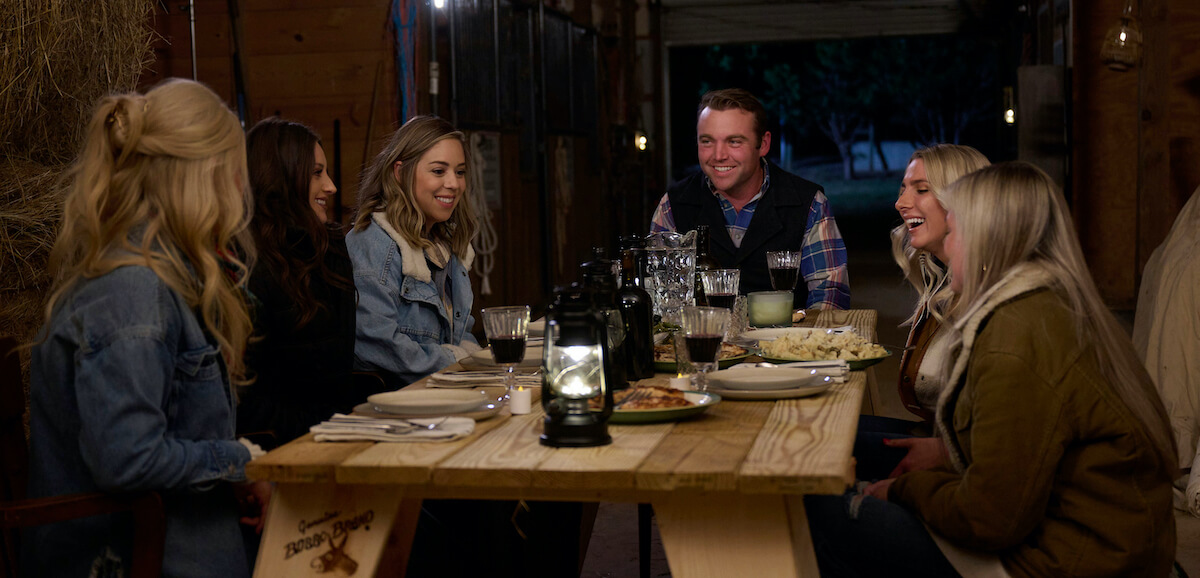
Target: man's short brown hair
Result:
[739, 98]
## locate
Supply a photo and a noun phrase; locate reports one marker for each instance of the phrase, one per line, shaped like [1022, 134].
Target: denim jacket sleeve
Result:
[125, 440]
[152, 400]
[403, 329]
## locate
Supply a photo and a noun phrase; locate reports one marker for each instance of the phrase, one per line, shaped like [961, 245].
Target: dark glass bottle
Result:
[704, 262]
[638, 311]
[600, 279]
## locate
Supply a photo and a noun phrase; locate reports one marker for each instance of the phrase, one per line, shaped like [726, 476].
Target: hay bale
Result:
[57, 58]
[30, 209]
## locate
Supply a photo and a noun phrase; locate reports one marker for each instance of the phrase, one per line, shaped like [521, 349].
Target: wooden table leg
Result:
[314, 529]
[722, 535]
[393, 562]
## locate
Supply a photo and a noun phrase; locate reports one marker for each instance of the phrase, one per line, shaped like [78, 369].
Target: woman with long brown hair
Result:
[302, 356]
[145, 330]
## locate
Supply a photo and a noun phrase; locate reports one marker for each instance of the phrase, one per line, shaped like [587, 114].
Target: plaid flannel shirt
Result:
[823, 256]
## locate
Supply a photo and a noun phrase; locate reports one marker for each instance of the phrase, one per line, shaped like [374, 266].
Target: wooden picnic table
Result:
[726, 486]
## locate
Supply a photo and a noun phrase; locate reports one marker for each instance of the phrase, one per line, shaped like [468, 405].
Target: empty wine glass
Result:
[784, 267]
[507, 329]
[703, 330]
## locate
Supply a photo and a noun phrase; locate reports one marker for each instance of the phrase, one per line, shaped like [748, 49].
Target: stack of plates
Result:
[747, 382]
[477, 404]
[428, 401]
[483, 357]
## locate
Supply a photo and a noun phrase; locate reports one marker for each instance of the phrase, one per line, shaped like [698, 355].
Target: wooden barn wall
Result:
[317, 61]
[1184, 99]
[1136, 153]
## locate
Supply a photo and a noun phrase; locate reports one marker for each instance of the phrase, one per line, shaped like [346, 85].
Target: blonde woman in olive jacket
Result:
[1058, 454]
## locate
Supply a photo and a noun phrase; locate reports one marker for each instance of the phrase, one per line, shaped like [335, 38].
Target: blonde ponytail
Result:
[161, 182]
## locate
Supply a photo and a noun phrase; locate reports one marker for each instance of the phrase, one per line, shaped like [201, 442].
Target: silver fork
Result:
[385, 428]
[638, 394]
[431, 426]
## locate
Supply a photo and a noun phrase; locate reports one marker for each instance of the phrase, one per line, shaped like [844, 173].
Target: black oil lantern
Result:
[573, 361]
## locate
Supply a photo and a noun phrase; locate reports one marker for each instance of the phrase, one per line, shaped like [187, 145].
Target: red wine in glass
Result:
[702, 348]
[784, 279]
[721, 300]
[508, 350]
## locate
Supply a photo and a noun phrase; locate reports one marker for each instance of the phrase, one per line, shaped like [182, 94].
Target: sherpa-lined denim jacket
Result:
[403, 328]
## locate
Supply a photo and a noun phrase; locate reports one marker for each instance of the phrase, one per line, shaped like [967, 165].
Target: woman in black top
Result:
[304, 318]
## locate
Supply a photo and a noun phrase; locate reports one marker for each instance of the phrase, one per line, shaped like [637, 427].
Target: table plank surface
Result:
[804, 444]
[727, 485]
[305, 461]
[791, 446]
[705, 454]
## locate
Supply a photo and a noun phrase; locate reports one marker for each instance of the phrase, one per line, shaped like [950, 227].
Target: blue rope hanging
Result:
[405, 47]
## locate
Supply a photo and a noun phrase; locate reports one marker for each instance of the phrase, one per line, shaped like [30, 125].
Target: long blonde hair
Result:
[944, 164]
[161, 182]
[1013, 213]
[380, 190]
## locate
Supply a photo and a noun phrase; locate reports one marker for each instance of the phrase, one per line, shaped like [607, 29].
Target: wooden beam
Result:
[1105, 157]
[1154, 214]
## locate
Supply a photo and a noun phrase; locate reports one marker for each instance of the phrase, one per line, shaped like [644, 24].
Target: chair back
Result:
[14, 448]
[16, 512]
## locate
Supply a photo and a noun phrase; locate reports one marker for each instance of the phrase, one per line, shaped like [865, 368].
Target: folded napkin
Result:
[256, 450]
[348, 428]
[834, 365]
[838, 369]
[1188, 498]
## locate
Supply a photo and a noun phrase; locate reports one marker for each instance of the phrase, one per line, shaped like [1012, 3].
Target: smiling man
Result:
[752, 206]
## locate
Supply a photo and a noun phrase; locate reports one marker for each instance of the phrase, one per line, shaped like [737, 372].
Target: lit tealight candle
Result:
[681, 382]
[519, 400]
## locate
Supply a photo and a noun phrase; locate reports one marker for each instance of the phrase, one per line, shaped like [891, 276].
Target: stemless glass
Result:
[784, 267]
[721, 286]
[703, 330]
[506, 329]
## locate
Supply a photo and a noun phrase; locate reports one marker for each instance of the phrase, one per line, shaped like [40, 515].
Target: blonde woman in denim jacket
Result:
[144, 337]
[411, 249]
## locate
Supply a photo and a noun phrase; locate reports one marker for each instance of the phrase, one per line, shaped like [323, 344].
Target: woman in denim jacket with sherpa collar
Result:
[411, 249]
[131, 375]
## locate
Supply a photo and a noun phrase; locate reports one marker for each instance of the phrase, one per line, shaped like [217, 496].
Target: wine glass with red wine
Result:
[703, 330]
[721, 286]
[784, 267]
[506, 329]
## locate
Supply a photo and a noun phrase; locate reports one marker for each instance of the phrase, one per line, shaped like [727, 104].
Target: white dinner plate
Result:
[770, 394]
[764, 378]
[428, 401]
[533, 357]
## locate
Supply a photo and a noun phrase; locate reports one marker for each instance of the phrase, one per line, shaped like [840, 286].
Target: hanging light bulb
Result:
[439, 4]
[1010, 112]
[1123, 43]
